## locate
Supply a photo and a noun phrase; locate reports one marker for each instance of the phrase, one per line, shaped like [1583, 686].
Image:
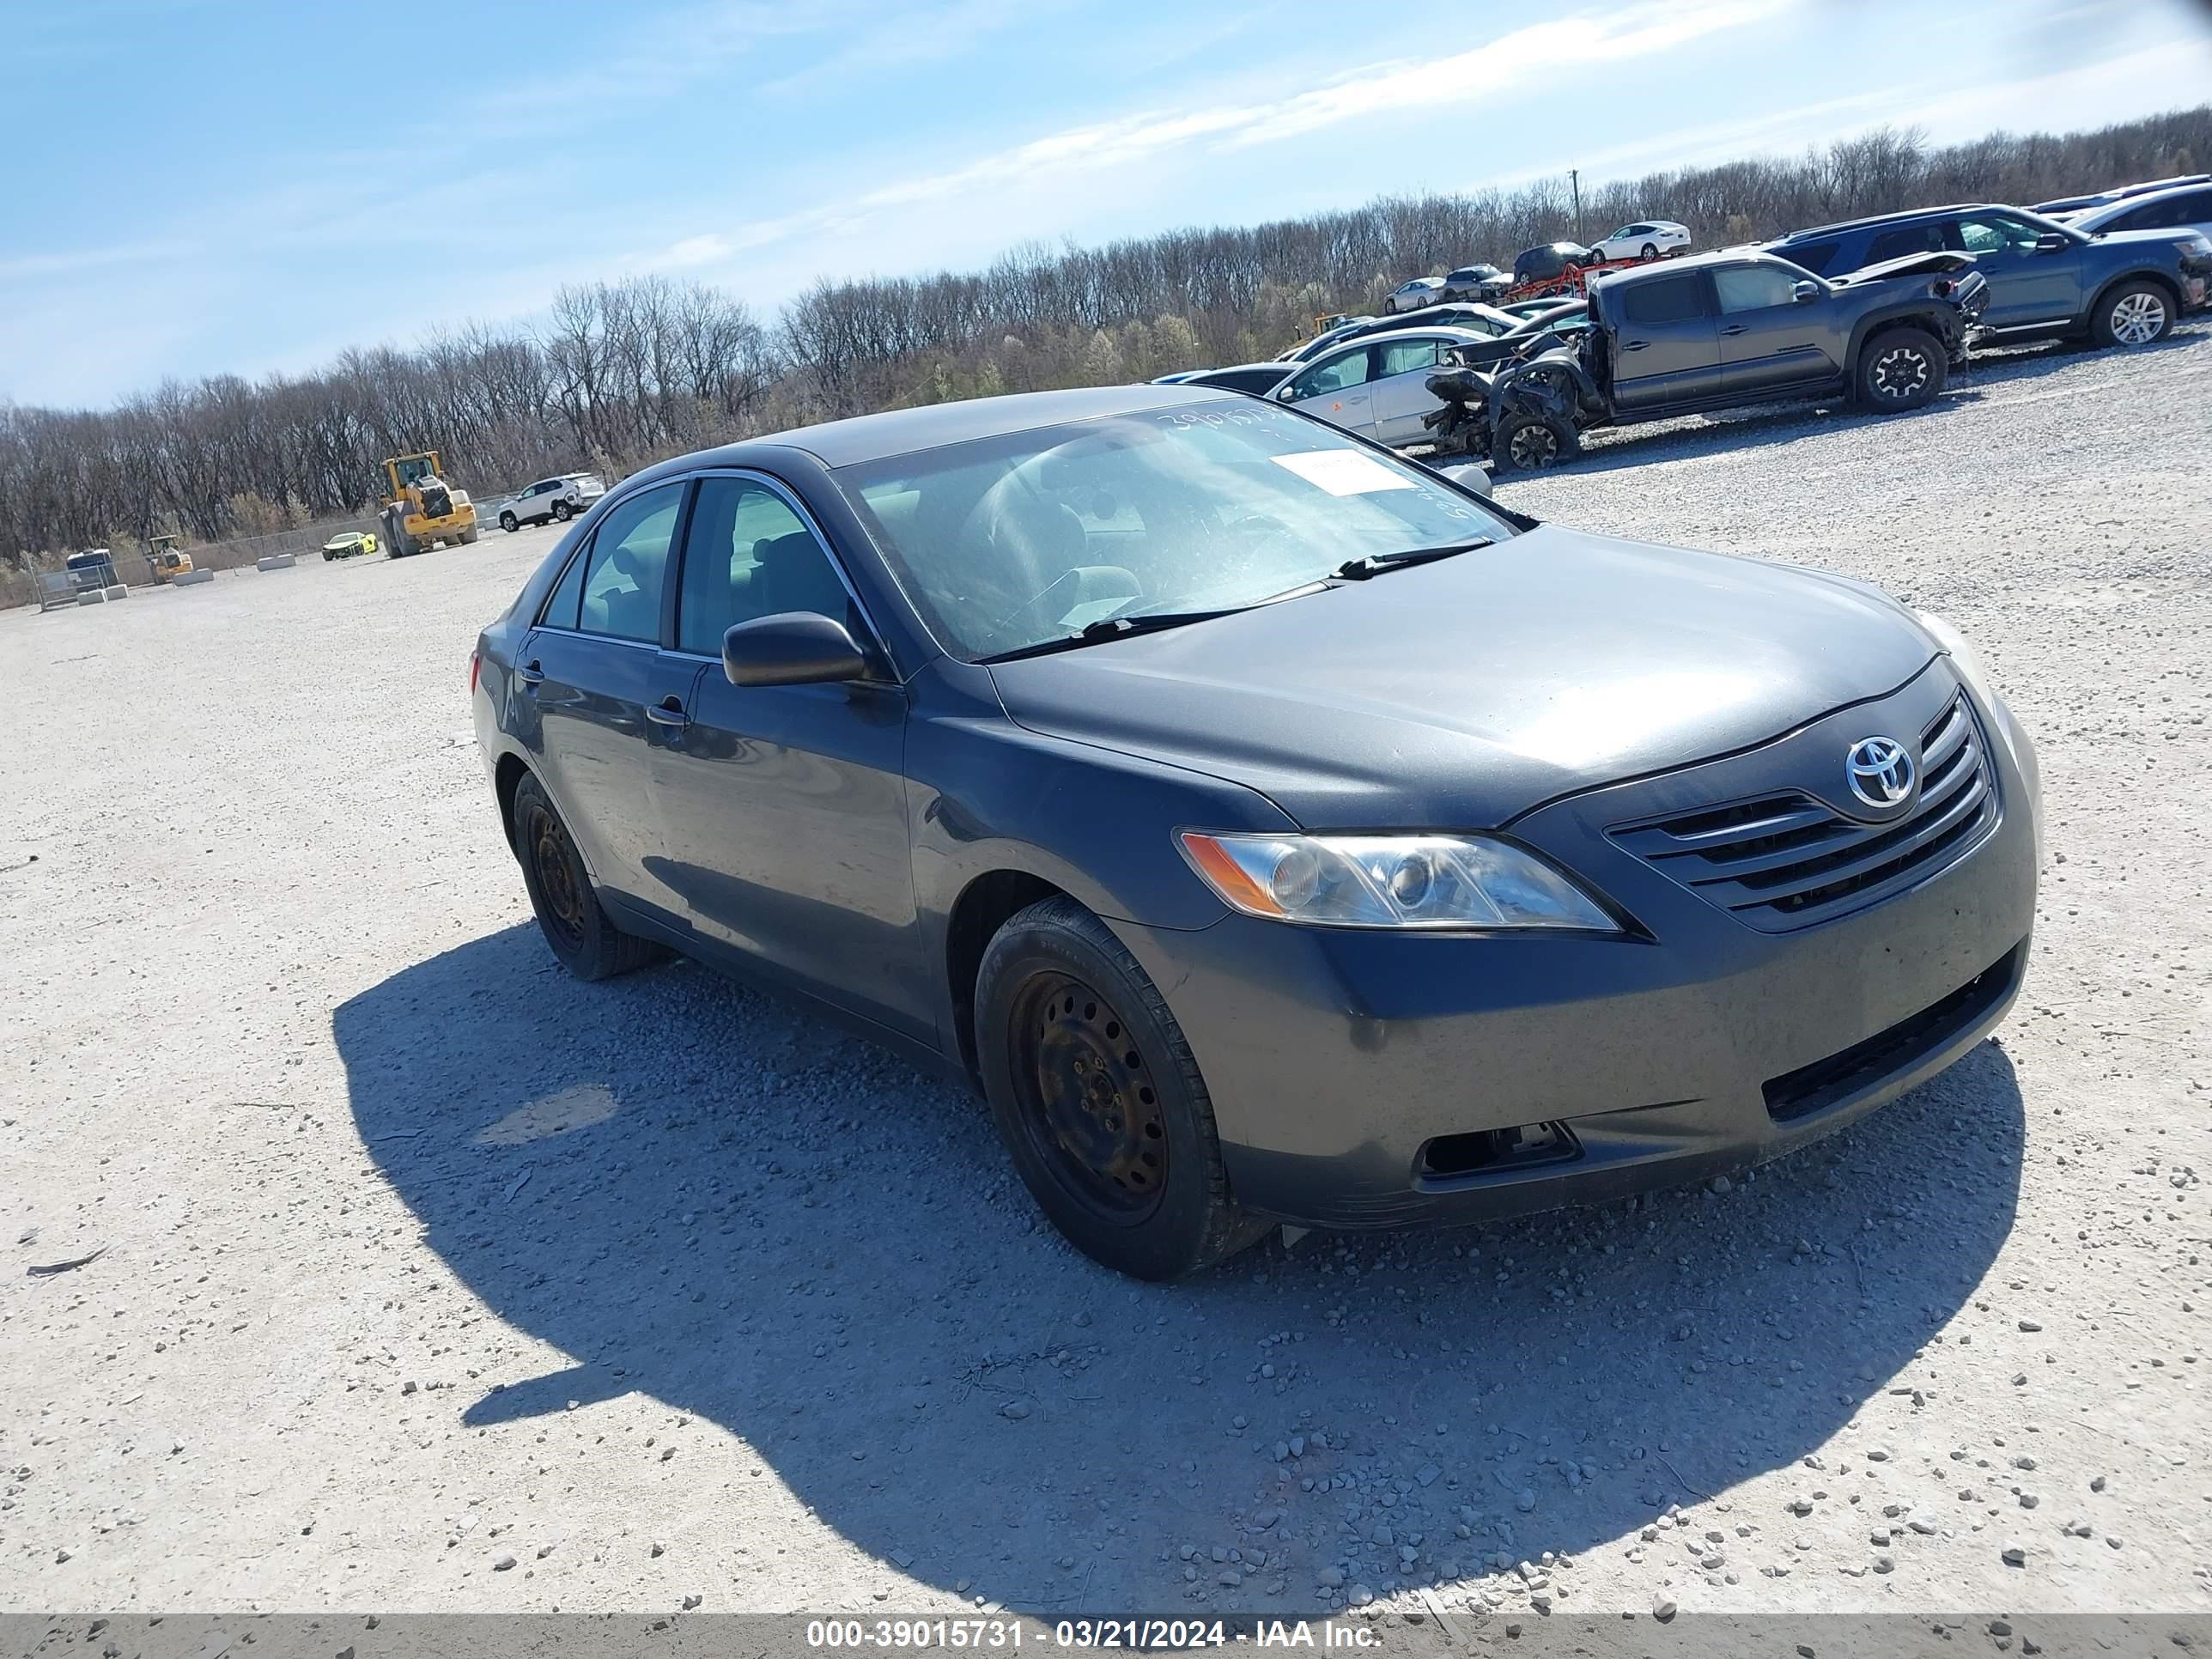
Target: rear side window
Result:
[626, 568]
[1403, 356]
[1665, 300]
[1815, 257]
[1904, 241]
[1334, 375]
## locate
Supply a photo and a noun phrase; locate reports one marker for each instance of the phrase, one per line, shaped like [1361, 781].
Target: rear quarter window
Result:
[1815, 257]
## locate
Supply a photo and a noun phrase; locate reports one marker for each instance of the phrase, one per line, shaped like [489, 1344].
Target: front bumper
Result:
[1357, 1078]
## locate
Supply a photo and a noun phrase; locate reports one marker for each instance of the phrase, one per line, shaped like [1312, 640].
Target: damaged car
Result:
[1720, 330]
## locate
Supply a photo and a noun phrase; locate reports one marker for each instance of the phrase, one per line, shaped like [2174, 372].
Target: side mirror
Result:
[1804, 291]
[2050, 242]
[793, 648]
[1283, 394]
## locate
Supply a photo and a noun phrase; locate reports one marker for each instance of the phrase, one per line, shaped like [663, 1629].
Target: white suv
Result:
[558, 499]
[1647, 239]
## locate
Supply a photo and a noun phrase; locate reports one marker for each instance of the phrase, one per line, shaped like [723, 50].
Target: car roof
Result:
[1872, 219]
[2119, 204]
[893, 432]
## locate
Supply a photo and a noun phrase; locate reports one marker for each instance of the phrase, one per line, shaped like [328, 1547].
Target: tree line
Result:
[619, 375]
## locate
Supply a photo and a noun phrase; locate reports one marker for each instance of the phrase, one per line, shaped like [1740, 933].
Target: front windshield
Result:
[1003, 543]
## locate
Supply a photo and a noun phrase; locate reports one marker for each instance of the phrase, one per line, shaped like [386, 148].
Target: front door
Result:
[1336, 389]
[783, 807]
[1770, 340]
[2026, 285]
[587, 678]
[1667, 345]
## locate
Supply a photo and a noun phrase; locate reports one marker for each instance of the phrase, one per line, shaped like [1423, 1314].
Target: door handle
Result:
[529, 673]
[1735, 328]
[1634, 346]
[668, 712]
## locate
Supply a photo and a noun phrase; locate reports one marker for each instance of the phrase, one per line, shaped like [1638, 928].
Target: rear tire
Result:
[2132, 314]
[1098, 1100]
[1531, 443]
[561, 512]
[1900, 368]
[576, 929]
[469, 535]
[507, 522]
[1650, 251]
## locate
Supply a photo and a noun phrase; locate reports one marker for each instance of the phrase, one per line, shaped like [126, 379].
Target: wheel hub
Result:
[1091, 1106]
[1899, 372]
[557, 875]
[2138, 319]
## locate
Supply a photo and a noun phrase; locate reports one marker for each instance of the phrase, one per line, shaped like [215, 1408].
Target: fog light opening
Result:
[1482, 1151]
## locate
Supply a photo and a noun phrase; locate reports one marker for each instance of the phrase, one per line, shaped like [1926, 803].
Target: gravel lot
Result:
[434, 1280]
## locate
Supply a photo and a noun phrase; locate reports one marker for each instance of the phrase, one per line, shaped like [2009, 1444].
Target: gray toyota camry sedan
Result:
[1271, 830]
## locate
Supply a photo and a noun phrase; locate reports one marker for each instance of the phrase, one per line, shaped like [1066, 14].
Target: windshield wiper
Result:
[1145, 622]
[1358, 570]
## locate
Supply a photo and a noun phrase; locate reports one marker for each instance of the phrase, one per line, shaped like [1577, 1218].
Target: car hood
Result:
[1461, 694]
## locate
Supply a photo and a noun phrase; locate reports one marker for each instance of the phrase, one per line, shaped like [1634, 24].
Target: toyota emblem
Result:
[1881, 772]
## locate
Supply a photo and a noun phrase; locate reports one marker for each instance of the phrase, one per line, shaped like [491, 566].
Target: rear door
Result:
[1400, 391]
[1335, 387]
[783, 807]
[2027, 286]
[1667, 348]
[1770, 340]
[587, 676]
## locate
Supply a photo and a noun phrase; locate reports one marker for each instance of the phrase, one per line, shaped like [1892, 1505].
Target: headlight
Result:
[1964, 661]
[1391, 881]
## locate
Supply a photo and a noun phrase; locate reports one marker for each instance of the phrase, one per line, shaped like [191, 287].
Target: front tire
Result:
[1530, 443]
[2133, 314]
[1902, 368]
[575, 927]
[1098, 1100]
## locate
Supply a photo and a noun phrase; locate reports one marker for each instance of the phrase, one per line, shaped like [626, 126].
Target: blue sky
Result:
[202, 186]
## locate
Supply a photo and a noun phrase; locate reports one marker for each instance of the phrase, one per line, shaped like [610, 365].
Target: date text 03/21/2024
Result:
[1143, 1635]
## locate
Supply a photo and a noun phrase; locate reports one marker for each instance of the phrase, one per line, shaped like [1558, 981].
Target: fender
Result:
[1917, 310]
[1534, 388]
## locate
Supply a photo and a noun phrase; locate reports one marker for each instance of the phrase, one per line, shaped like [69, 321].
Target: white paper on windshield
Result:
[1342, 471]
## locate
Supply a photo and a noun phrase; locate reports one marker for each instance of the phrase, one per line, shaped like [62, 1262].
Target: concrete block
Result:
[119, 591]
[275, 562]
[92, 596]
[191, 578]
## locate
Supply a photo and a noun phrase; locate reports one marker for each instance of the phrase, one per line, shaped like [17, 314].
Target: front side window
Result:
[1753, 287]
[1995, 233]
[626, 567]
[1004, 543]
[1665, 300]
[1332, 374]
[747, 554]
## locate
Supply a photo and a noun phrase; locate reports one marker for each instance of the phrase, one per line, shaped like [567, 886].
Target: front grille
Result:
[1825, 1082]
[1786, 860]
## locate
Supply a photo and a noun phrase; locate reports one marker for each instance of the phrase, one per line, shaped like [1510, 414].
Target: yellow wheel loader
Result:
[421, 509]
[164, 562]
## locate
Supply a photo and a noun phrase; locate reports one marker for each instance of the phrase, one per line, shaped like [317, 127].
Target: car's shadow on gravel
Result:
[702, 1195]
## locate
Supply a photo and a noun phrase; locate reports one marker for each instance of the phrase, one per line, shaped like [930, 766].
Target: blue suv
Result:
[2126, 287]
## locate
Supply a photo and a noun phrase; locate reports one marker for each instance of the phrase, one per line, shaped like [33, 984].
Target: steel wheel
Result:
[560, 879]
[1087, 1099]
[2138, 319]
[1900, 373]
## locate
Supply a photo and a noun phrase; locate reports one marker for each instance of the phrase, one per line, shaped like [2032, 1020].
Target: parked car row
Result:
[1643, 240]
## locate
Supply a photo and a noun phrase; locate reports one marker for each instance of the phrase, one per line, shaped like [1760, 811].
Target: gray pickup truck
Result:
[2124, 288]
[1718, 331]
